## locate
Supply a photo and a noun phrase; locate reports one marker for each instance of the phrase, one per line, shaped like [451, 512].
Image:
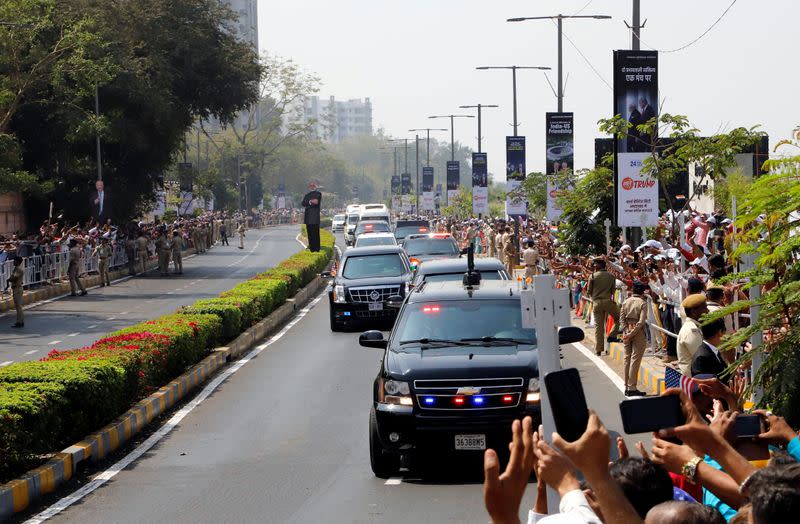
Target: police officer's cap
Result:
[639, 287]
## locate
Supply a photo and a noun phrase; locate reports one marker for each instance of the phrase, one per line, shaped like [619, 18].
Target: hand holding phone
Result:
[748, 426]
[568, 402]
[644, 415]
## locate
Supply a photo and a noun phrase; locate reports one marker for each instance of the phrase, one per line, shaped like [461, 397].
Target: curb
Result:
[16, 495]
[650, 377]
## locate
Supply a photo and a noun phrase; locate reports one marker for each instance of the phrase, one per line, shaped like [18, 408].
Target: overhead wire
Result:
[703, 34]
[585, 59]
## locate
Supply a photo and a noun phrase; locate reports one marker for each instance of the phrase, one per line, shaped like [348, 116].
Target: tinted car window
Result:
[376, 227]
[460, 319]
[403, 231]
[431, 246]
[364, 241]
[457, 277]
[367, 266]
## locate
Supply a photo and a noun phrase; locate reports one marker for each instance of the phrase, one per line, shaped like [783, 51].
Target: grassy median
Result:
[49, 404]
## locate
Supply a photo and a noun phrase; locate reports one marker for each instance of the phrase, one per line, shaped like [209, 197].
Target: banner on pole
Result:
[560, 144]
[636, 100]
[395, 184]
[480, 184]
[427, 188]
[515, 175]
[453, 179]
[405, 183]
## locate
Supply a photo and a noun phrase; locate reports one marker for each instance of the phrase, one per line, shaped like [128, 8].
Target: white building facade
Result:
[333, 120]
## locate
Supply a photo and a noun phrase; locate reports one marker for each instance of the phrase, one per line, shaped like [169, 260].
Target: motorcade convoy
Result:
[430, 246]
[402, 228]
[457, 369]
[365, 279]
[453, 269]
[375, 239]
[338, 222]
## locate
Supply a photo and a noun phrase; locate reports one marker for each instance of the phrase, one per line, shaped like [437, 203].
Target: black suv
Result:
[457, 369]
[365, 279]
[403, 228]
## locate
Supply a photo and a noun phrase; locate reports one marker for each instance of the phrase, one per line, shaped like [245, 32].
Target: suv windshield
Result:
[403, 231]
[372, 227]
[352, 219]
[338, 218]
[460, 320]
[367, 266]
[368, 240]
[431, 246]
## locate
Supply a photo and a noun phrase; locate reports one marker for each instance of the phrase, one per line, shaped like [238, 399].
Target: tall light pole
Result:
[428, 140]
[452, 131]
[97, 134]
[513, 69]
[636, 27]
[479, 107]
[560, 18]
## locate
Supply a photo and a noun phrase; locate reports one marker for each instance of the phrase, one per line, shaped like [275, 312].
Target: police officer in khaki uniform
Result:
[241, 235]
[15, 283]
[74, 267]
[163, 248]
[141, 253]
[177, 245]
[490, 239]
[601, 288]
[530, 258]
[510, 251]
[633, 315]
[103, 251]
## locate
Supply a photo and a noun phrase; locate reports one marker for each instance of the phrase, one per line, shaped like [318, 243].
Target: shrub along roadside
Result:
[47, 405]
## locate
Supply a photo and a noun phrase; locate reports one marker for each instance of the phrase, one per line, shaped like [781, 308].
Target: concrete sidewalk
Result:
[651, 372]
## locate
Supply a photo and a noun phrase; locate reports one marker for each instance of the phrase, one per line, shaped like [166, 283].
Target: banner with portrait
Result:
[453, 179]
[405, 183]
[515, 175]
[636, 100]
[560, 151]
[480, 184]
[427, 188]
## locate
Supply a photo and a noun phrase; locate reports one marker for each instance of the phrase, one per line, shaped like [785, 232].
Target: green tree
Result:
[770, 231]
[585, 207]
[166, 63]
[459, 207]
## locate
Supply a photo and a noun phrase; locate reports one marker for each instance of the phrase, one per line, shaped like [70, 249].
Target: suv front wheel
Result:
[384, 464]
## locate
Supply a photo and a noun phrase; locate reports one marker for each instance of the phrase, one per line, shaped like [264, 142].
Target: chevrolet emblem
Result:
[468, 391]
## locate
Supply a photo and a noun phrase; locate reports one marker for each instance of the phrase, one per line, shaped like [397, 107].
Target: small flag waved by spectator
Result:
[674, 379]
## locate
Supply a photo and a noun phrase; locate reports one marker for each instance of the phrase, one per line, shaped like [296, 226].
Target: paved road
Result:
[284, 439]
[74, 322]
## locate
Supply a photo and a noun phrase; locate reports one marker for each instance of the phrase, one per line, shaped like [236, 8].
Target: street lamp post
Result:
[560, 18]
[427, 140]
[452, 131]
[513, 69]
[97, 134]
[479, 107]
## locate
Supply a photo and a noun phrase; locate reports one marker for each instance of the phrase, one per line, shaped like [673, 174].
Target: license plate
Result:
[470, 442]
[376, 306]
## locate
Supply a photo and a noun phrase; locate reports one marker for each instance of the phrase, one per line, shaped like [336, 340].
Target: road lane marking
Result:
[394, 481]
[54, 342]
[111, 318]
[6, 363]
[124, 312]
[92, 326]
[252, 250]
[171, 424]
[300, 241]
[73, 334]
[602, 366]
[31, 352]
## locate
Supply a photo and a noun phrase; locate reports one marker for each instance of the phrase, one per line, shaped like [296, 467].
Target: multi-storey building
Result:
[333, 120]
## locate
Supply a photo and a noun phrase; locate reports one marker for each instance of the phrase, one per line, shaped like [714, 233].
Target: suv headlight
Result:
[339, 295]
[533, 396]
[395, 392]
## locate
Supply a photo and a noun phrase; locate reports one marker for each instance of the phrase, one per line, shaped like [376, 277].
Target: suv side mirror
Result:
[326, 274]
[569, 335]
[373, 339]
[395, 302]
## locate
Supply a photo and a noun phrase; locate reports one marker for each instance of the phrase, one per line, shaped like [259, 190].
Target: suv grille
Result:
[372, 294]
[476, 393]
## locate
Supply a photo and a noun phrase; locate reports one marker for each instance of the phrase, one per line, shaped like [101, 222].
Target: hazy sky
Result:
[416, 58]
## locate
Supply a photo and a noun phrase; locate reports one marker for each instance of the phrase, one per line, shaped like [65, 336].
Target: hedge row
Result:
[47, 405]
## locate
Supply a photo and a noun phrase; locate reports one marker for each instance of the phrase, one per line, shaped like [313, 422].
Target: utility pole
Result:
[428, 141]
[479, 107]
[416, 187]
[560, 18]
[513, 85]
[636, 27]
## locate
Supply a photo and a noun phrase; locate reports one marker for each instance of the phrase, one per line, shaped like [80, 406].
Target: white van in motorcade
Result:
[350, 226]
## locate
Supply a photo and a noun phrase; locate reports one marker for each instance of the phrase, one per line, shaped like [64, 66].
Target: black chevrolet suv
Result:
[457, 369]
[365, 279]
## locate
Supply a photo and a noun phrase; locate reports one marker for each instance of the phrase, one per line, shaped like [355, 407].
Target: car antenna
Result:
[472, 278]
